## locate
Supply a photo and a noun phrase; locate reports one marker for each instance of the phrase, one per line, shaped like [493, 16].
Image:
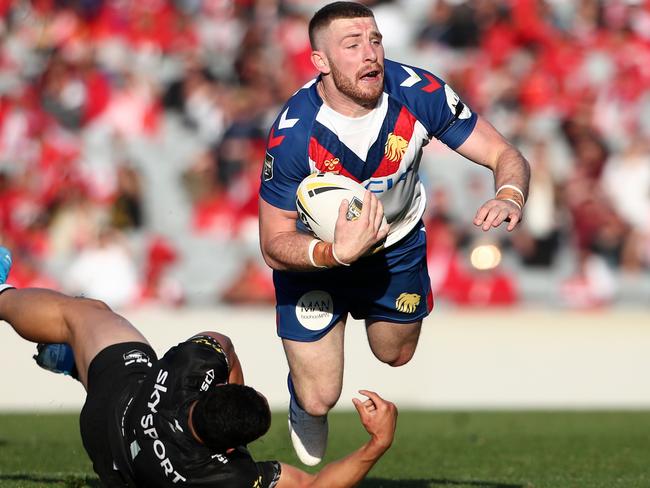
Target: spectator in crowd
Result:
[538, 241]
[79, 76]
[626, 183]
[105, 270]
[126, 209]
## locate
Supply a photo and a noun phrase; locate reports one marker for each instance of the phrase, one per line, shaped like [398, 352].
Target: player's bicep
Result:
[484, 144]
[288, 164]
[292, 477]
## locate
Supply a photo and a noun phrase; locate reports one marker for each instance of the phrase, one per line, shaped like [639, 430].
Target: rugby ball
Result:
[318, 199]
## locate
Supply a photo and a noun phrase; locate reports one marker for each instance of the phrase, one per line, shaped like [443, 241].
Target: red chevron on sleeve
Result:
[274, 141]
[433, 84]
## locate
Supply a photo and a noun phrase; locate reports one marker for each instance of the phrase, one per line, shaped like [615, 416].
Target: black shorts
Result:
[114, 370]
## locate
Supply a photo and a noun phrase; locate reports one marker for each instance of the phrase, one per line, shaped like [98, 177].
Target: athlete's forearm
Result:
[288, 251]
[350, 470]
[236, 374]
[511, 168]
[344, 473]
[283, 247]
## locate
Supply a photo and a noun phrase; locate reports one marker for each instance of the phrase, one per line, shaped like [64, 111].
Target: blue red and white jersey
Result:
[381, 150]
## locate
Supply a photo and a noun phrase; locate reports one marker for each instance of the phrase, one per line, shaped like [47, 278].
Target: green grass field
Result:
[432, 449]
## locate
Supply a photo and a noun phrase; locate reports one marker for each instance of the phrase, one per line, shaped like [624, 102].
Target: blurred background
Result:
[132, 136]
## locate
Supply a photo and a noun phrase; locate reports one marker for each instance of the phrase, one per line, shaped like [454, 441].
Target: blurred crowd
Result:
[110, 110]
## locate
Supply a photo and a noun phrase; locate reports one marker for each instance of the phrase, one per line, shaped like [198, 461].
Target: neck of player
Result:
[341, 103]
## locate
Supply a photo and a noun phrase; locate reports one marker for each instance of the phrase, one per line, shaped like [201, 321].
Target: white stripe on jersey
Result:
[357, 133]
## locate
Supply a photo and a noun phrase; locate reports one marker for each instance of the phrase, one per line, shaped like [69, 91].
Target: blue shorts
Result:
[392, 285]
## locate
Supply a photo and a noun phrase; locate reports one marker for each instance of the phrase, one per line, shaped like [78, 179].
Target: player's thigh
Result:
[317, 367]
[309, 305]
[93, 327]
[393, 343]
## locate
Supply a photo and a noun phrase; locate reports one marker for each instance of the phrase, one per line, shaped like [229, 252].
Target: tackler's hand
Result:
[379, 418]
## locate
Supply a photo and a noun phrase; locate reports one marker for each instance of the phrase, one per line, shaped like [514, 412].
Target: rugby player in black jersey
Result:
[181, 420]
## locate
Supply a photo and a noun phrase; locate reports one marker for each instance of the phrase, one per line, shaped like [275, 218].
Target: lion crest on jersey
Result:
[407, 302]
[395, 147]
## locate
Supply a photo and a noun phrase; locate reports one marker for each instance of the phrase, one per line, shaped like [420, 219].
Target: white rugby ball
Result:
[318, 199]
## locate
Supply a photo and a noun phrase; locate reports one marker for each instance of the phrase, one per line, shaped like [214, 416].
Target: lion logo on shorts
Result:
[407, 302]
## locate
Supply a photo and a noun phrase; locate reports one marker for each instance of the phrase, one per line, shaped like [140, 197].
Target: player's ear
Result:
[319, 60]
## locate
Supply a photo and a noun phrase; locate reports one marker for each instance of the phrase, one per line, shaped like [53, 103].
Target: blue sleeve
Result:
[434, 103]
[286, 163]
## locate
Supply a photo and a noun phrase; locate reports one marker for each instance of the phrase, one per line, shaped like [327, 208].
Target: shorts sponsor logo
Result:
[267, 170]
[136, 356]
[315, 309]
[407, 302]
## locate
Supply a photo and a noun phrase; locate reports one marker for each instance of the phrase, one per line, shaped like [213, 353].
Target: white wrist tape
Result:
[337, 258]
[512, 187]
[312, 246]
[513, 201]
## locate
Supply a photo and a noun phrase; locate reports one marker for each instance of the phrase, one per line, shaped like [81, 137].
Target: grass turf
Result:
[431, 449]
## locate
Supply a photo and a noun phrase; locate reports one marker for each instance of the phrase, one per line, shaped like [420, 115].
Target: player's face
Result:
[356, 58]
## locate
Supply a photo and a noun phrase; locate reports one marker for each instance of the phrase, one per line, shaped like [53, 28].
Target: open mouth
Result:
[371, 75]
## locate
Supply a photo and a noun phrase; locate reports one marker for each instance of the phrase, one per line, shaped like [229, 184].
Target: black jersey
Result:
[157, 441]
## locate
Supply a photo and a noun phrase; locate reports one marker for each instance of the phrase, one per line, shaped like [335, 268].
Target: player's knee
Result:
[319, 402]
[396, 357]
[401, 360]
[316, 406]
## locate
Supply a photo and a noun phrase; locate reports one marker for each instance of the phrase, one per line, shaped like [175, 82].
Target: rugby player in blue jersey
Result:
[179, 421]
[368, 118]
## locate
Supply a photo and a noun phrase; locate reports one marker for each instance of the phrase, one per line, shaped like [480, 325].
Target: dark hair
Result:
[231, 416]
[333, 11]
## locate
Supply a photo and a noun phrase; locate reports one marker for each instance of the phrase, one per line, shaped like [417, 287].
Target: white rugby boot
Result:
[308, 434]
